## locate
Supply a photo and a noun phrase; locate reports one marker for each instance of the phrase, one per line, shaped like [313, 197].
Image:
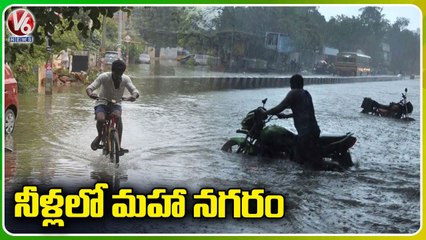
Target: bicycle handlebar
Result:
[110, 100]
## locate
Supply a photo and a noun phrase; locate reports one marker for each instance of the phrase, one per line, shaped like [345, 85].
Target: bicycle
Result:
[110, 141]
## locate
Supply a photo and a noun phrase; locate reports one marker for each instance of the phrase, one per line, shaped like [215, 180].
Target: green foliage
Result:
[67, 40]
[247, 27]
[240, 32]
[369, 31]
[185, 27]
[190, 62]
[62, 19]
[111, 35]
[218, 31]
[74, 28]
[63, 27]
[26, 72]
[27, 58]
[365, 33]
[405, 48]
[158, 25]
[91, 76]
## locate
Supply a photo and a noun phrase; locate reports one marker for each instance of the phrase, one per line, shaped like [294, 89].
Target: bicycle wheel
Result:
[105, 140]
[114, 151]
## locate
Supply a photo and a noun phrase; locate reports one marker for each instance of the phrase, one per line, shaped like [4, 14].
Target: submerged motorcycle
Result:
[277, 141]
[399, 110]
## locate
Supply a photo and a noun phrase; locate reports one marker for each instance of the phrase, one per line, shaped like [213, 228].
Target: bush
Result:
[92, 74]
[26, 77]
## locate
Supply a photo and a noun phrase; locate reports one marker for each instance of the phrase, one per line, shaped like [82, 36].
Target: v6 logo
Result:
[21, 22]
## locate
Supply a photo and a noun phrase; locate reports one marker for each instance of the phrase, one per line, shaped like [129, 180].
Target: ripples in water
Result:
[175, 139]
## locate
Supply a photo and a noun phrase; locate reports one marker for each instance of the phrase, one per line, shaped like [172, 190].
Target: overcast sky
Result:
[391, 12]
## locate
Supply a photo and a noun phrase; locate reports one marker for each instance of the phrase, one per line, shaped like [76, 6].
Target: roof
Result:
[354, 53]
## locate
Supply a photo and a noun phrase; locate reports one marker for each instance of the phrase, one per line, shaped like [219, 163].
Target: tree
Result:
[302, 24]
[61, 20]
[187, 27]
[158, 25]
[374, 28]
[62, 27]
[405, 47]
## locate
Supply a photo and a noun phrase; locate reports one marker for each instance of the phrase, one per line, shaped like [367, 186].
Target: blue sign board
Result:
[286, 45]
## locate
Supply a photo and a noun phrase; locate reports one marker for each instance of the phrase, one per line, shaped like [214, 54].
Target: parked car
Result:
[110, 56]
[144, 58]
[11, 102]
[203, 59]
[183, 55]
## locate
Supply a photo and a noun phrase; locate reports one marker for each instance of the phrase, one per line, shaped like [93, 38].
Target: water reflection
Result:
[10, 158]
[108, 173]
[8, 143]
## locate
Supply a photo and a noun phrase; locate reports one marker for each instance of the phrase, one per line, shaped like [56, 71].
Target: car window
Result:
[111, 55]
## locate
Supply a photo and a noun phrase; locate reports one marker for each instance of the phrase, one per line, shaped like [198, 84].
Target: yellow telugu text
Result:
[89, 203]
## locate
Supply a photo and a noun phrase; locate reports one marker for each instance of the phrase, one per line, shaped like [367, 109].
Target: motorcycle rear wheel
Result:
[227, 147]
[345, 159]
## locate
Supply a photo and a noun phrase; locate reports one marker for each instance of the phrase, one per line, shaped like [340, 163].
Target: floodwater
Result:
[175, 136]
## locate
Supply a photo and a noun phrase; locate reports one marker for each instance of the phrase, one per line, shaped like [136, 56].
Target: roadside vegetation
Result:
[217, 31]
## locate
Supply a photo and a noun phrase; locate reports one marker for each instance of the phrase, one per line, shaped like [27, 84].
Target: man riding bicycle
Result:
[112, 85]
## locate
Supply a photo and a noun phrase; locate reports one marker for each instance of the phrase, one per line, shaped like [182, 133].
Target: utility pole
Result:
[127, 39]
[103, 39]
[120, 29]
[231, 57]
[49, 69]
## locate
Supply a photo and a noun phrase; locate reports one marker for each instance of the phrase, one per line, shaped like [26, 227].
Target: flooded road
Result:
[175, 136]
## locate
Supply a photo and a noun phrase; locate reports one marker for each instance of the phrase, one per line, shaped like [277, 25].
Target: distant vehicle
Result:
[11, 102]
[183, 55]
[323, 67]
[144, 58]
[352, 64]
[110, 56]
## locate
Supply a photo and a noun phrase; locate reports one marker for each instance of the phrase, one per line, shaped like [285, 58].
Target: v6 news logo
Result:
[21, 23]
